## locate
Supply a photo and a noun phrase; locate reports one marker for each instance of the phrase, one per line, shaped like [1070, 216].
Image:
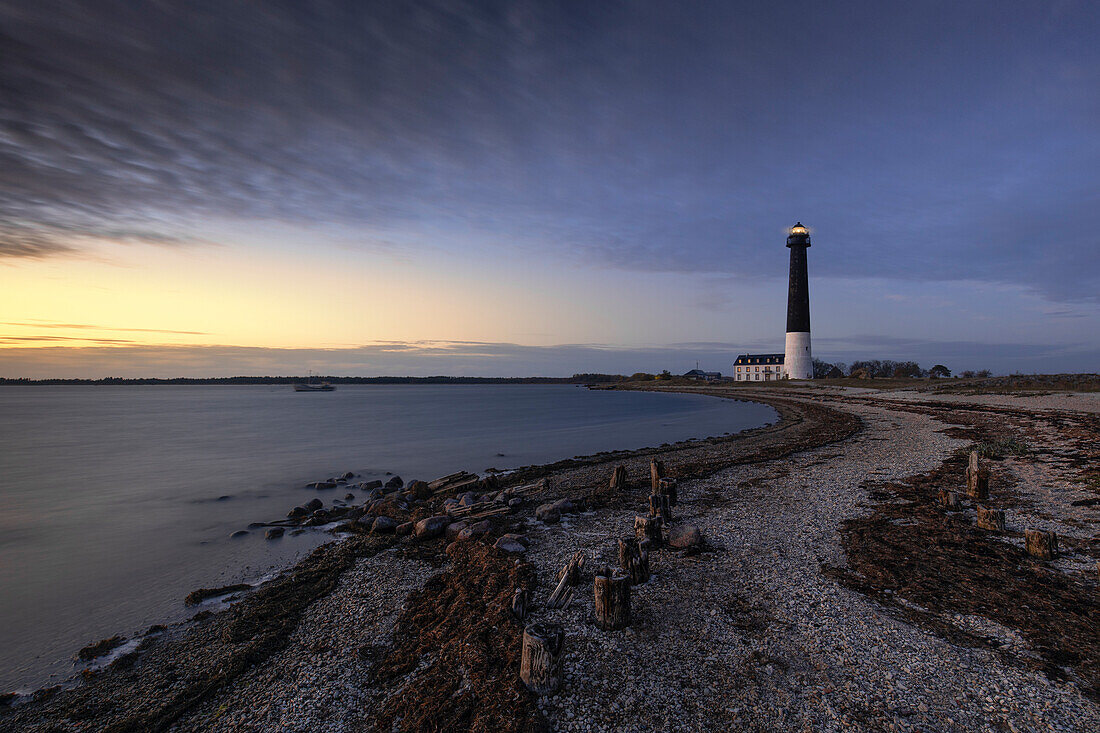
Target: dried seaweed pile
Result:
[455, 655]
[911, 549]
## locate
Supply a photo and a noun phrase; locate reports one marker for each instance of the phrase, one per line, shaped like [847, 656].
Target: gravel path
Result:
[755, 637]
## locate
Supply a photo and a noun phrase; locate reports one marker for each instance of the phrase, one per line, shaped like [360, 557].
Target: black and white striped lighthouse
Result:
[798, 361]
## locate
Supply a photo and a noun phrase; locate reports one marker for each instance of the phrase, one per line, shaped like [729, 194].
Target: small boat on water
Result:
[312, 386]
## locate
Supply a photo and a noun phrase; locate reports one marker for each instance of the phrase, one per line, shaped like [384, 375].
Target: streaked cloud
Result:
[631, 135]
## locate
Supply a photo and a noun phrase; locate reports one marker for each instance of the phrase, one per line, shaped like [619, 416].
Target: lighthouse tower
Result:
[797, 359]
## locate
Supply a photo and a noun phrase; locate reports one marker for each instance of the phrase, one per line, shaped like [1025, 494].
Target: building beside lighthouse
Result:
[796, 361]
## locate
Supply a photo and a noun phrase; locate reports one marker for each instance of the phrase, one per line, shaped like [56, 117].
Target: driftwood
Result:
[656, 473]
[612, 592]
[991, 519]
[480, 510]
[658, 507]
[667, 487]
[567, 577]
[1041, 544]
[618, 478]
[520, 602]
[540, 663]
[648, 528]
[634, 559]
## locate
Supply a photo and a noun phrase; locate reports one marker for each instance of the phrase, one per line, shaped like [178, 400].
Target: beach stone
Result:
[548, 513]
[467, 499]
[520, 538]
[367, 520]
[349, 497]
[384, 524]
[240, 533]
[505, 544]
[453, 529]
[273, 533]
[348, 475]
[405, 528]
[685, 536]
[376, 484]
[321, 485]
[564, 506]
[481, 527]
[395, 483]
[466, 534]
[514, 502]
[431, 527]
[313, 505]
[297, 512]
[419, 489]
[375, 493]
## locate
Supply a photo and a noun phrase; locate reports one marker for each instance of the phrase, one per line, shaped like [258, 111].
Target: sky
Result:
[541, 188]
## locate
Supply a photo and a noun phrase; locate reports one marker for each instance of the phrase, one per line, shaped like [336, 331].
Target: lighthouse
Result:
[797, 359]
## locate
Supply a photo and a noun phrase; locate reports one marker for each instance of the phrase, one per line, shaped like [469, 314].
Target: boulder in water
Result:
[273, 533]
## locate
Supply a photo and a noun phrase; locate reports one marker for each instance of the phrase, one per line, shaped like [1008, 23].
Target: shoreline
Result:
[330, 644]
[338, 530]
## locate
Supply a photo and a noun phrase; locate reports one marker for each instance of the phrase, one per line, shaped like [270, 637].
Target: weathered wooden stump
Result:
[991, 519]
[648, 528]
[658, 507]
[520, 601]
[634, 559]
[656, 473]
[618, 477]
[612, 591]
[540, 663]
[977, 486]
[1041, 544]
[949, 499]
[667, 487]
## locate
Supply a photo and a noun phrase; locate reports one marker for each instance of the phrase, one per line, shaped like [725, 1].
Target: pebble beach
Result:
[778, 619]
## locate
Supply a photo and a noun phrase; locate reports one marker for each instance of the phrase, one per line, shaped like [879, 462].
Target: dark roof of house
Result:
[759, 359]
[701, 373]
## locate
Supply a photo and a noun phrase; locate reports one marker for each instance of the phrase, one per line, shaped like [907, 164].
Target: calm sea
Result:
[115, 502]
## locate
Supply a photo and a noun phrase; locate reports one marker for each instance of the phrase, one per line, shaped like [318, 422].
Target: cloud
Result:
[632, 135]
[91, 327]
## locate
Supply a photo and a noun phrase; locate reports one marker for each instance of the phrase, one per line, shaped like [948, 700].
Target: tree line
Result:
[886, 369]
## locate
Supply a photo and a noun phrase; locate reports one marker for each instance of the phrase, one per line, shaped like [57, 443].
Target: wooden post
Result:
[634, 559]
[540, 663]
[648, 528]
[618, 477]
[667, 486]
[658, 507]
[612, 591]
[991, 519]
[977, 481]
[519, 603]
[949, 499]
[567, 577]
[1043, 545]
[656, 473]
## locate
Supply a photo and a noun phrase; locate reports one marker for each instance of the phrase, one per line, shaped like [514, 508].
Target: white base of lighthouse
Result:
[798, 362]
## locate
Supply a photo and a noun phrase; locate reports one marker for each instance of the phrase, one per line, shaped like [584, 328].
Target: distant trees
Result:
[939, 371]
[642, 377]
[666, 374]
[970, 374]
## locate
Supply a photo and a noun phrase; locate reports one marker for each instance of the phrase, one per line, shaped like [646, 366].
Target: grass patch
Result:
[1002, 448]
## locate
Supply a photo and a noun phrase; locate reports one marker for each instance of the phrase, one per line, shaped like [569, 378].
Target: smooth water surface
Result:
[116, 501]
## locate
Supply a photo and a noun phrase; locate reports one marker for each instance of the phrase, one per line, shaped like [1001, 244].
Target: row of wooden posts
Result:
[1037, 542]
[541, 660]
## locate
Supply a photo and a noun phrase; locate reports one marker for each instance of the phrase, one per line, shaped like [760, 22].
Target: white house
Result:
[759, 368]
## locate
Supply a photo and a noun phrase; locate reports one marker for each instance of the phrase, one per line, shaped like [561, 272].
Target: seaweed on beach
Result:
[914, 551]
[454, 660]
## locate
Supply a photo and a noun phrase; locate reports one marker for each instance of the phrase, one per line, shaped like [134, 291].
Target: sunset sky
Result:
[221, 188]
